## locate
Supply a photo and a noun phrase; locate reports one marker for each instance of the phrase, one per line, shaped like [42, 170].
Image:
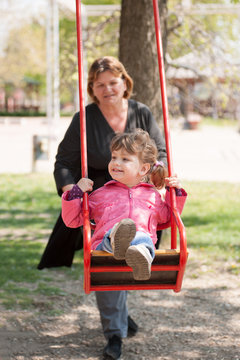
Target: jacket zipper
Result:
[130, 204]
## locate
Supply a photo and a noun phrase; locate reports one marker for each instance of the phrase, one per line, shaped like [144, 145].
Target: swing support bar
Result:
[90, 269]
[83, 142]
[165, 115]
[175, 217]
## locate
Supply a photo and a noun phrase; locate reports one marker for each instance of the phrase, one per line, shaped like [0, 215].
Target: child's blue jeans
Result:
[140, 238]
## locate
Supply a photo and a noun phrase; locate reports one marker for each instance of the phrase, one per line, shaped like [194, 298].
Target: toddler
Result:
[127, 209]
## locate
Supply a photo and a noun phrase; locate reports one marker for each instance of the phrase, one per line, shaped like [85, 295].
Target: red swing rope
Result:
[165, 116]
[175, 217]
[83, 142]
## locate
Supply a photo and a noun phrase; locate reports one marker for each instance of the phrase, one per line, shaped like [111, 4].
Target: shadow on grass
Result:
[195, 220]
[29, 207]
[18, 219]
[18, 261]
[219, 218]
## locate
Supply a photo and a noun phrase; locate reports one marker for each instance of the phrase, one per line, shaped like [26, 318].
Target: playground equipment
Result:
[101, 271]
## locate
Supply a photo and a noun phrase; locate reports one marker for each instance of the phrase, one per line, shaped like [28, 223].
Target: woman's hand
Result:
[85, 184]
[173, 181]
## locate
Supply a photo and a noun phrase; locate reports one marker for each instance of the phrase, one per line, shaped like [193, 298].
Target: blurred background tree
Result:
[23, 64]
[138, 51]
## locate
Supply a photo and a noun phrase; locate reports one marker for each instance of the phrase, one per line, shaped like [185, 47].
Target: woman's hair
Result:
[139, 143]
[108, 63]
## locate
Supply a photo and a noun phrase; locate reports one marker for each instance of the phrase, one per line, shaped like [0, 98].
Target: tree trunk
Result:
[138, 51]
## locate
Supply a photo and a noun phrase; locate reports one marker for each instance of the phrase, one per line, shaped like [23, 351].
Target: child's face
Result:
[127, 168]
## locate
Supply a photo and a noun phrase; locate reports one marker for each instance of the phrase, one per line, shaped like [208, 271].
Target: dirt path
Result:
[200, 322]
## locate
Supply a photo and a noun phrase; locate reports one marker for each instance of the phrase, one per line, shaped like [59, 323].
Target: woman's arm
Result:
[149, 124]
[155, 134]
[67, 168]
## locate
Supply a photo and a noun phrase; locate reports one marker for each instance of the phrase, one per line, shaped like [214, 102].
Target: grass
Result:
[211, 217]
[29, 208]
[219, 122]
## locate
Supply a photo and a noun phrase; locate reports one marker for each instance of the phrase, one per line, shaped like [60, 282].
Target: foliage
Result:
[215, 35]
[103, 34]
[101, 39]
[209, 121]
[211, 40]
[24, 54]
[68, 58]
[200, 32]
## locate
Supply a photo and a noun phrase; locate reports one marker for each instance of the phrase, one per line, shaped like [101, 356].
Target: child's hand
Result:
[85, 184]
[173, 181]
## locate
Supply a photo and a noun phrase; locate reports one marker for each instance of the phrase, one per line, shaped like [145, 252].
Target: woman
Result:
[112, 111]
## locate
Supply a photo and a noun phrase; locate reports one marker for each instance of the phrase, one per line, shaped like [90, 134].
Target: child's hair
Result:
[139, 143]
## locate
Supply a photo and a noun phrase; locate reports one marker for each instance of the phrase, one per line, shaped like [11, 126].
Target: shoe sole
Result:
[139, 262]
[111, 357]
[125, 233]
[132, 327]
[113, 349]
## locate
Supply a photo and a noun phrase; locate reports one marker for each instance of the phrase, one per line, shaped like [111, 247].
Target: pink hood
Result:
[115, 201]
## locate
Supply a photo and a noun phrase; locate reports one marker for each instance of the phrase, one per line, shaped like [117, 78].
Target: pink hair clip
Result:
[158, 163]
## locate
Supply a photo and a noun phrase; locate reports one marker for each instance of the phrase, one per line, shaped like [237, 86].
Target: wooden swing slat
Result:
[165, 270]
[125, 268]
[164, 260]
[158, 252]
[134, 287]
[101, 271]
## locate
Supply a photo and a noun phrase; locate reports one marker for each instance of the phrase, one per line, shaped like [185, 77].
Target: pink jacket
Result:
[115, 201]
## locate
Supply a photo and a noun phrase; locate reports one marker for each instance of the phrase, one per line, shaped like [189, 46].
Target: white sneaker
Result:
[121, 236]
[138, 257]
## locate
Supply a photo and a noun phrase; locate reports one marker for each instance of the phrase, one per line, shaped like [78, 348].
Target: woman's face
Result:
[108, 88]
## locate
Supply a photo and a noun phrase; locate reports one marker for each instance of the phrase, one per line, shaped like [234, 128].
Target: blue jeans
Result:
[140, 238]
[112, 305]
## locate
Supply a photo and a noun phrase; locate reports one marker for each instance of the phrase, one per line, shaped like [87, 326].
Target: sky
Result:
[14, 12]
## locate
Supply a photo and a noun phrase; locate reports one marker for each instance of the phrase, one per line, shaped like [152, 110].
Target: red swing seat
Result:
[102, 272]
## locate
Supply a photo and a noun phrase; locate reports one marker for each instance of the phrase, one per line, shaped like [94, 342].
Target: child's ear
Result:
[145, 169]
